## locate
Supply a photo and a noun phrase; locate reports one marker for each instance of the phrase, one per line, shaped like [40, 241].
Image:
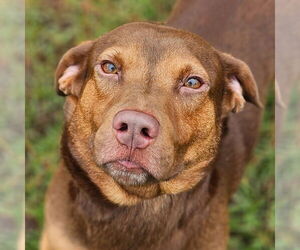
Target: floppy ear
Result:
[240, 85]
[72, 69]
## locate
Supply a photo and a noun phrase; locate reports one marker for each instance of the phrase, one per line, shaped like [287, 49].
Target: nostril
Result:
[123, 127]
[145, 132]
[135, 129]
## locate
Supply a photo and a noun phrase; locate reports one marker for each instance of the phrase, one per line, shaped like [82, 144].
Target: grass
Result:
[55, 26]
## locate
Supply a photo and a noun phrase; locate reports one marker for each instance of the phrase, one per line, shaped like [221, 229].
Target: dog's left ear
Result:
[240, 85]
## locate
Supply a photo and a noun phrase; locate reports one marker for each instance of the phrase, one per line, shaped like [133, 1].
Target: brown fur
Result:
[195, 163]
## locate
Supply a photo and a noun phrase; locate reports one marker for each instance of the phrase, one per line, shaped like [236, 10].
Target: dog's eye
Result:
[109, 68]
[193, 83]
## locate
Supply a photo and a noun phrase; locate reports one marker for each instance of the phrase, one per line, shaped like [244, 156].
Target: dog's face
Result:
[144, 108]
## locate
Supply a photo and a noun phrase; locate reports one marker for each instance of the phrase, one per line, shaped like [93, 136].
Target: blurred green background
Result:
[12, 141]
[54, 26]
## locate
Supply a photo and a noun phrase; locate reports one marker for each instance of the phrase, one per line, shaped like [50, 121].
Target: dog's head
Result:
[144, 105]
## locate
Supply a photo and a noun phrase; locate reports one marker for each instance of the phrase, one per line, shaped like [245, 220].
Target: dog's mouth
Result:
[128, 172]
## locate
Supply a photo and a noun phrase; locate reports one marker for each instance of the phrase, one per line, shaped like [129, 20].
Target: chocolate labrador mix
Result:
[151, 149]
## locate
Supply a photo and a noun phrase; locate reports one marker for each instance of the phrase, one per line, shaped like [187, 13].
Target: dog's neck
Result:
[159, 218]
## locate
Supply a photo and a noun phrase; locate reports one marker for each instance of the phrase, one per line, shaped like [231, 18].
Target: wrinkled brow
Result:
[113, 54]
[186, 70]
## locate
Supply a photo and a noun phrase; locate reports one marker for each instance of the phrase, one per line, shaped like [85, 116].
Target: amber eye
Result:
[193, 83]
[109, 68]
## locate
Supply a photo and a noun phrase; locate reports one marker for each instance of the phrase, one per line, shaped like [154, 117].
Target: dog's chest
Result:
[155, 224]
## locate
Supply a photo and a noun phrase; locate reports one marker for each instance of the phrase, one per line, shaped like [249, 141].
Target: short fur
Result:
[194, 165]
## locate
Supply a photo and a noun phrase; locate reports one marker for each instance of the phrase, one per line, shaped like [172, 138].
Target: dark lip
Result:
[130, 164]
[134, 176]
[126, 164]
[133, 168]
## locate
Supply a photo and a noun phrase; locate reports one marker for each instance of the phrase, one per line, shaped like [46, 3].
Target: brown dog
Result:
[150, 157]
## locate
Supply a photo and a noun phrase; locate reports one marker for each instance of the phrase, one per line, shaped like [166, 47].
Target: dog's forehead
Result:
[157, 48]
[153, 41]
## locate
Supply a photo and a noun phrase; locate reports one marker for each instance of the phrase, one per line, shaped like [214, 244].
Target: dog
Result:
[151, 150]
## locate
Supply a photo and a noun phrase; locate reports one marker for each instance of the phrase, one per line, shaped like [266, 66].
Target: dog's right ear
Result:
[72, 69]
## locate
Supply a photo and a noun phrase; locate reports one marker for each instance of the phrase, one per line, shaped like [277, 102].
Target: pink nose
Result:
[135, 129]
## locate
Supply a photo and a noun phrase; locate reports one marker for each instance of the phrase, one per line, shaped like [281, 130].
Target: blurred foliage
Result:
[11, 122]
[287, 174]
[252, 219]
[53, 26]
